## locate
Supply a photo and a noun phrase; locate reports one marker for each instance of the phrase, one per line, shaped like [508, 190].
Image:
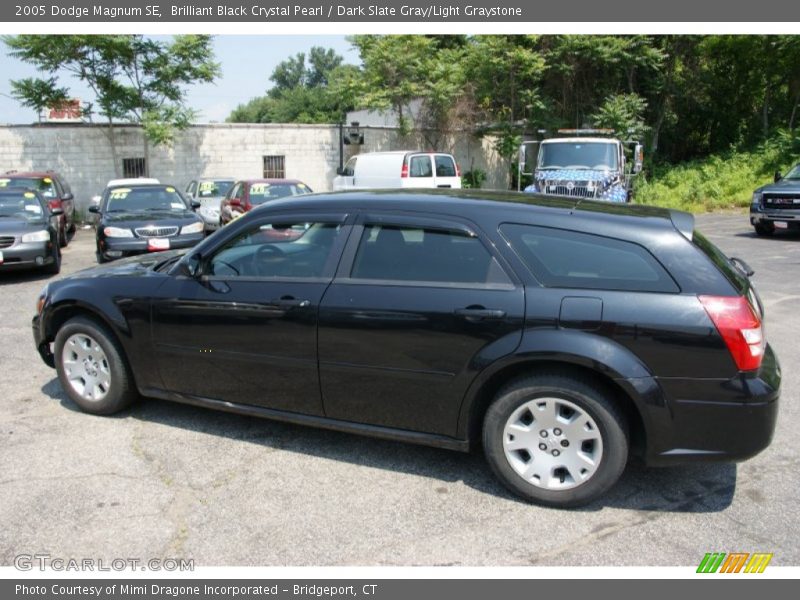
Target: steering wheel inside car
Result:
[263, 255]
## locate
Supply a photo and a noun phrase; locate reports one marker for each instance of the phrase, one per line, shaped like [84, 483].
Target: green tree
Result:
[301, 92]
[624, 113]
[134, 79]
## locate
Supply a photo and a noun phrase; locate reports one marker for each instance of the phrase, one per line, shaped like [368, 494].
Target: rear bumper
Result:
[706, 420]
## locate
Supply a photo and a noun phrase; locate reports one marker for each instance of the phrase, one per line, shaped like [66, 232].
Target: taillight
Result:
[458, 170]
[739, 326]
[404, 170]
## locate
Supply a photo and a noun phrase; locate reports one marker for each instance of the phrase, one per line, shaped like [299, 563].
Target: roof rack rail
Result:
[586, 131]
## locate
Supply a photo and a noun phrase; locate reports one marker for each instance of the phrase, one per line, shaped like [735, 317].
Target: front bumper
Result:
[760, 215]
[706, 420]
[39, 340]
[109, 247]
[25, 255]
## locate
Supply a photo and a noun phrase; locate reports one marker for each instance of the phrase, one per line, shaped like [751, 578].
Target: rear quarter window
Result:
[568, 259]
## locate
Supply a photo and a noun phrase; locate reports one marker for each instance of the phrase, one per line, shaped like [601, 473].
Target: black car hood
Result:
[16, 227]
[152, 217]
[784, 185]
[134, 266]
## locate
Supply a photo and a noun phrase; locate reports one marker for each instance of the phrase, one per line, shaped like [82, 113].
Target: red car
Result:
[247, 193]
[54, 189]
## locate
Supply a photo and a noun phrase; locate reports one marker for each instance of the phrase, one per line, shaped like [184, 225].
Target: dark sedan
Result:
[560, 335]
[29, 232]
[777, 205]
[144, 218]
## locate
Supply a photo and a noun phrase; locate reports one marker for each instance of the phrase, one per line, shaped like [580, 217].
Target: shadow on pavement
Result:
[691, 489]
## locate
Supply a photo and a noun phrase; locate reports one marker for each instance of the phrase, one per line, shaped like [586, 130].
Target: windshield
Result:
[794, 173]
[145, 199]
[261, 192]
[578, 155]
[44, 185]
[218, 187]
[22, 206]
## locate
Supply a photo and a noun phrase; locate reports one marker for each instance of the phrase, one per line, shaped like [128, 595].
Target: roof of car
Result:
[498, 206]
[578, 140]
[272, 181]
[22, 174]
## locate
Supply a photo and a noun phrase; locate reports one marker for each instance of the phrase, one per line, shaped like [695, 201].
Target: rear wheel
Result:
[764, 229]
[91, 367]
[554, 439]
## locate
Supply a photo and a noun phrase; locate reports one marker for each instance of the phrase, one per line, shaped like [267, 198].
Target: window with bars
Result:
[133, 167]
[275, 167]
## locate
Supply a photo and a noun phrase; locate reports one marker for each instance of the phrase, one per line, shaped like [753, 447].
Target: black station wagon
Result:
[561, 335]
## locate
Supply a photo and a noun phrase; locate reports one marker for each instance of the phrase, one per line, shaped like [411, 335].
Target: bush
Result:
[719, 181]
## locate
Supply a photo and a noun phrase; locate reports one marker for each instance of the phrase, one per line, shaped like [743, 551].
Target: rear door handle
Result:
[291, 302]
[479, 313]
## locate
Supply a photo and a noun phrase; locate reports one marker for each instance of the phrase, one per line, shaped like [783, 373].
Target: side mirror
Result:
[56, 211]
[638, 158]
[339, 170]
[190, 265]
[778, 176]
[94, 208]
[68, 196]
[195, 204]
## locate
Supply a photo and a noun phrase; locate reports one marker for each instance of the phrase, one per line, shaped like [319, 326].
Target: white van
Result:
[401, 169]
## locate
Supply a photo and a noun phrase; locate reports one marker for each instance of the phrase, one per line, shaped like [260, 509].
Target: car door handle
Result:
[291, 302]
[479, 313]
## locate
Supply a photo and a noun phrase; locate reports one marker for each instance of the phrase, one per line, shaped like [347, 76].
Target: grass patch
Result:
[720, 181]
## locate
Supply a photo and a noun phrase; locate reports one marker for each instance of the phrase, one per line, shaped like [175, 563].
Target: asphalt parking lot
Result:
[166, 480]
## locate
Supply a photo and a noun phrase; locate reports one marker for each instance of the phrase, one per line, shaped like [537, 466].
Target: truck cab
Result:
[584, 163]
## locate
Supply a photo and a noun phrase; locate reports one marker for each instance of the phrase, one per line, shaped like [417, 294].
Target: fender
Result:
[126, 312]
[571, 347]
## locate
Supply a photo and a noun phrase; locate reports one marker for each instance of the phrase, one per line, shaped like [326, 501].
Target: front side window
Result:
[295, 249]
[427, 255]
[560, 258]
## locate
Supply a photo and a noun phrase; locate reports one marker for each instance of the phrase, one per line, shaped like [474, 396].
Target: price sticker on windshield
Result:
[4, 182]
[259, 189]
[120, 194]
[206, 186]
[29, 195]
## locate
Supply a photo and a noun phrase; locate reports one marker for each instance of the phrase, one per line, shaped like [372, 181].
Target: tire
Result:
[764, 230]
[549, 470]
[54, 268]
[86, 352]
[62, 236]
[99, 257]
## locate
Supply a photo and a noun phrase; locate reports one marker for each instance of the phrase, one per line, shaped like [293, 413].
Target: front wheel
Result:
[54, 267]
[91, 367]
[556, 439]
[764, 230]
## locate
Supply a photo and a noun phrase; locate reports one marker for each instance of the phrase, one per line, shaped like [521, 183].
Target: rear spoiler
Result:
[683, 222]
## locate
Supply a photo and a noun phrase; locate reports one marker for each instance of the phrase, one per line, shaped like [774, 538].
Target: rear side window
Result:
[420, 166]
[559, 258]
[428, 255]
[721, 261]
[445, 167]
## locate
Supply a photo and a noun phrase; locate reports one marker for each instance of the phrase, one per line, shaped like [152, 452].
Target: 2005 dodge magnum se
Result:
[563, 335]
